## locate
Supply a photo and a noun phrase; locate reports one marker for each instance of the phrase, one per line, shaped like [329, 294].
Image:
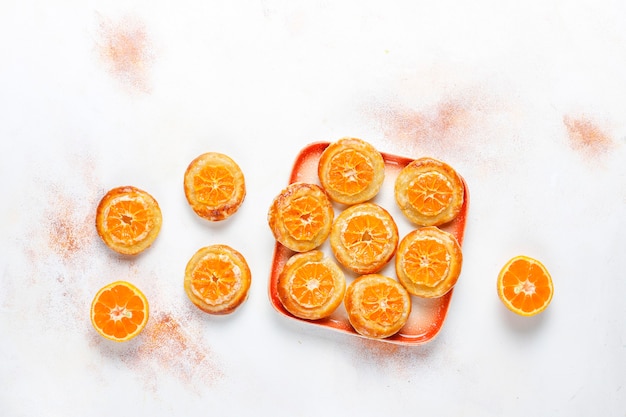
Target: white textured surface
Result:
[490, 87]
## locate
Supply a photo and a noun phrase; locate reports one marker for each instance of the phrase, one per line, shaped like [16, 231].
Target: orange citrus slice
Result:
[377, 306]
[128, 220]
[311, 286]
[119, 311]
[364, 237]
[428, 262]
[301, 216]
[214, 186]
[525, 286]
[217, 279]
[351, 171]
[429, 192]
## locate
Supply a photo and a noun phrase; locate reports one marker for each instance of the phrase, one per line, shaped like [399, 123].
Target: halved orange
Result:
[214, 186]
[128, 220]
[377, 306]
[429, 192]
[525, 286]
[351, 171]
[364, 237]
[119, 311]
[301, 216]
[428, 262]
[311, 286]
[217, 279]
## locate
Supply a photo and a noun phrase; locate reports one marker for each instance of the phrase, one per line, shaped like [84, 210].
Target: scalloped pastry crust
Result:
[351, 171]
[301, 216]
[423, 277]
[419, 174]
[311, 285]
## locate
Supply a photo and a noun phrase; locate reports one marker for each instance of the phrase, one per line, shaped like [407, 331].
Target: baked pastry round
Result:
[429, 192]
[301, 216]
[364, 237]
[128, 220]
[377, 306]
[428, 262]
[217, 279]
[351, 171]
[311, 285]
[214, 186]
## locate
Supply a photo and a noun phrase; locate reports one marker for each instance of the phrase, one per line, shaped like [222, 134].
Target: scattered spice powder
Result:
[168, 346]
[127, 52]
[443, 127]
[586, 136]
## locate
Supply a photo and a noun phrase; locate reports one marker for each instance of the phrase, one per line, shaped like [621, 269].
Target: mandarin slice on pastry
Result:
[351, 171]
[128, 220]
[377, 306]
[214, 186]
[428, 262]
[429, 192]
[364, 237]
[301, 216]
[311, 285]
[217, 279]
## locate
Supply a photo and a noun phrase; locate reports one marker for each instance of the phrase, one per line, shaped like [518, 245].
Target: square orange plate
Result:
[427, 315]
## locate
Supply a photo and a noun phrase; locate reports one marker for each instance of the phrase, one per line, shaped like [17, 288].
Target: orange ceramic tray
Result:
[427, 315]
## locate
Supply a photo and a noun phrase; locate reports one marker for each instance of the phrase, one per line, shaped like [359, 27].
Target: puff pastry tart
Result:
[311, 285]
[377, 306]
[351, 171]
[428, 262]
[214, 186]
[429, 192]
[364, 237]
[217, 279]
[301, 216]
[128, 220]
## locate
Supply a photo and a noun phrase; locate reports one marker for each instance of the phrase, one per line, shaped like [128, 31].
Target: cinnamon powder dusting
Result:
[168, 346]
[127, 52]
[431, 130]
[585, 136]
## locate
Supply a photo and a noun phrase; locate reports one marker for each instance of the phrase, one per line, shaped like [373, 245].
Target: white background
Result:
[488, 86]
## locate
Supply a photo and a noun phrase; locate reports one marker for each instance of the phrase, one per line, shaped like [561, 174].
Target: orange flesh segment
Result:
[350, 172]
[313, 285]
[214, 185]
[127, 220]
[119, 311]
[430, 193]
[366, 236]
[382, 304]
[525, 286]
[304, 217]
[427, 262]
[215, 279]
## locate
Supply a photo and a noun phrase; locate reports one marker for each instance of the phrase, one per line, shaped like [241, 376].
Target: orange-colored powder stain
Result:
[68, 234]
[168, 346]
[587, 137]
[430, 130]
[127, 52]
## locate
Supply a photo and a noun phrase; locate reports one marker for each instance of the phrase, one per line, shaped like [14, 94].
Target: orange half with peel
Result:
[119, 311]
[525, 286]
